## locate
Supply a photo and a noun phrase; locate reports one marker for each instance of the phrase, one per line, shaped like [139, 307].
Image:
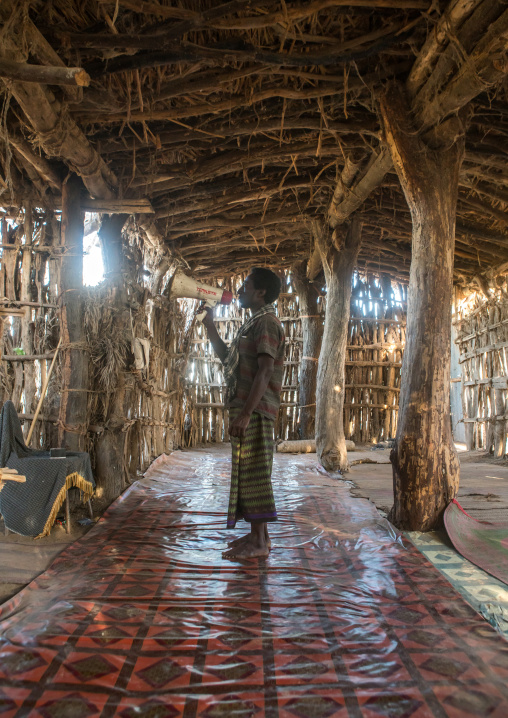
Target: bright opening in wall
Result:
[93, 266]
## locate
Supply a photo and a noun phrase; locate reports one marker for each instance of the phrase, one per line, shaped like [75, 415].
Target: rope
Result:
[89, 391]
[310, 358]
[83, 346]
[304, 406]
[78, 429]
[308, 316]
[54, 139]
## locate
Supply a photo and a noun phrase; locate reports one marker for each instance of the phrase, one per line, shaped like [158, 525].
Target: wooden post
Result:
[110, 448]
[424, 459]
[73, 403]
[338, 263]
[27, 327]
[110, 237]
[312, 333]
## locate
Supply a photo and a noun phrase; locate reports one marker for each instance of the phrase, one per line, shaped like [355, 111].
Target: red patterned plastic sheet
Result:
[143, 618]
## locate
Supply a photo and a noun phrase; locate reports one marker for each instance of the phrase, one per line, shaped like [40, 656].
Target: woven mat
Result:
[142, 616]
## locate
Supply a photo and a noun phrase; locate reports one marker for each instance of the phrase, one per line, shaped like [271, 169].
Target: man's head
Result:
[262, 286]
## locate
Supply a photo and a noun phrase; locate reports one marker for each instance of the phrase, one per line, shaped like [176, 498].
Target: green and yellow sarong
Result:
[251, 496]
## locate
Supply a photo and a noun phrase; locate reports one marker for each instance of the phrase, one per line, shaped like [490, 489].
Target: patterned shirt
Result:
[266, 336]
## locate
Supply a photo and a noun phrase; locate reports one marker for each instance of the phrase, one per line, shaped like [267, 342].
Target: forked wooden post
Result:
[312, 333]
[338, 265]
[425, 463]
[73, 403]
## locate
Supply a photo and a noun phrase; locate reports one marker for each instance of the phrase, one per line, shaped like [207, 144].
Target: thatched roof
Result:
[240, 123]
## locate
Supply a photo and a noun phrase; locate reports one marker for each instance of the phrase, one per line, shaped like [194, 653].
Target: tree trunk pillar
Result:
[312, 334]
[73, 403]
[424, 459]
[111, 467]
[338, 263]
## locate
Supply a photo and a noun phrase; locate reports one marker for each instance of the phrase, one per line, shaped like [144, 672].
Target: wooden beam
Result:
[451, 19]
[43, 74]
[356, 195]
[295, 12]
[74, 388]
[39, 163]
[39, 46]
[190, 53]
[118, 206]
[57, 133]
[487, 66]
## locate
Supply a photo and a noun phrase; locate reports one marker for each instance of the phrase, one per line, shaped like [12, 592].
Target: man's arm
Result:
[219, 346]
[259, 385]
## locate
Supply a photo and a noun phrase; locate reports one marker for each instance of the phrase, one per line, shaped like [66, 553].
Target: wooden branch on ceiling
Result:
[476, 74]
[165, 40]
[484, 189]
[207, 19]
[195, 110]
[153, 8]
[117, 206]
[39, 46]
[59, 136]
[349, 172]
[485, 209]
[485, 67]
[224, 52]
[455, 54]
[39, 163]
[228, 131]
[290, 13]
[454, 15]
[43, 74]
[237, 161]
[356, 195]
[243, 197]
[57, 133]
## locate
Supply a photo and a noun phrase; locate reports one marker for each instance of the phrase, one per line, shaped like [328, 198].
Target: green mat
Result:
[484, 543]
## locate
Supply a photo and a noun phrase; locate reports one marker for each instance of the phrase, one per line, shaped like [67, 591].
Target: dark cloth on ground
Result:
[30, 508]
[251, 495]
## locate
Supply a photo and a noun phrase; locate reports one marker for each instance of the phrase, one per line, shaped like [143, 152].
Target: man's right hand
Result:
[208, 318]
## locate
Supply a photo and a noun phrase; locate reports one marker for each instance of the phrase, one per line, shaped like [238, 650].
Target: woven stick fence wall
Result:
[375, 347]
[140, 397]
[482, 337]
[29, 280]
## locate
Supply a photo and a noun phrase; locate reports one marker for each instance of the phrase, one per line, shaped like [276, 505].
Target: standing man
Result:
[253, 368]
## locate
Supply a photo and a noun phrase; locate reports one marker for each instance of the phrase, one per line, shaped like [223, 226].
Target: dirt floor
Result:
[23, 558]
[483, 493]
[483, 490]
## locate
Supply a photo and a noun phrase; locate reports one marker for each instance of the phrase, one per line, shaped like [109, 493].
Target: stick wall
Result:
[482, 338]
[375, 348]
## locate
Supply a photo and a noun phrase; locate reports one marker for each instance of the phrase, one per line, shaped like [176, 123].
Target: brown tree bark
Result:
[73, 402]
[110, 236]
[312, 332]
[42, 74]
[424, 459]
[110, 466]
[338, 263]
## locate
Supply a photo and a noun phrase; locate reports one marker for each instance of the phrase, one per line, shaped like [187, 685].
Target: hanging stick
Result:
[43, 394]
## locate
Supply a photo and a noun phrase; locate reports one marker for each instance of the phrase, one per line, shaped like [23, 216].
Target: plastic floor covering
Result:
[143, 618]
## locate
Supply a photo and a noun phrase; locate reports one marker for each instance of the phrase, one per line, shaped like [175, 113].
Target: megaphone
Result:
[183, 286]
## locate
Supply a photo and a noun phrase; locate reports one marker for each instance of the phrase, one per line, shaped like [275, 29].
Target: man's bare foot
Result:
[247, 550]
[248, 537]
[239, 541]
[245, 539]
